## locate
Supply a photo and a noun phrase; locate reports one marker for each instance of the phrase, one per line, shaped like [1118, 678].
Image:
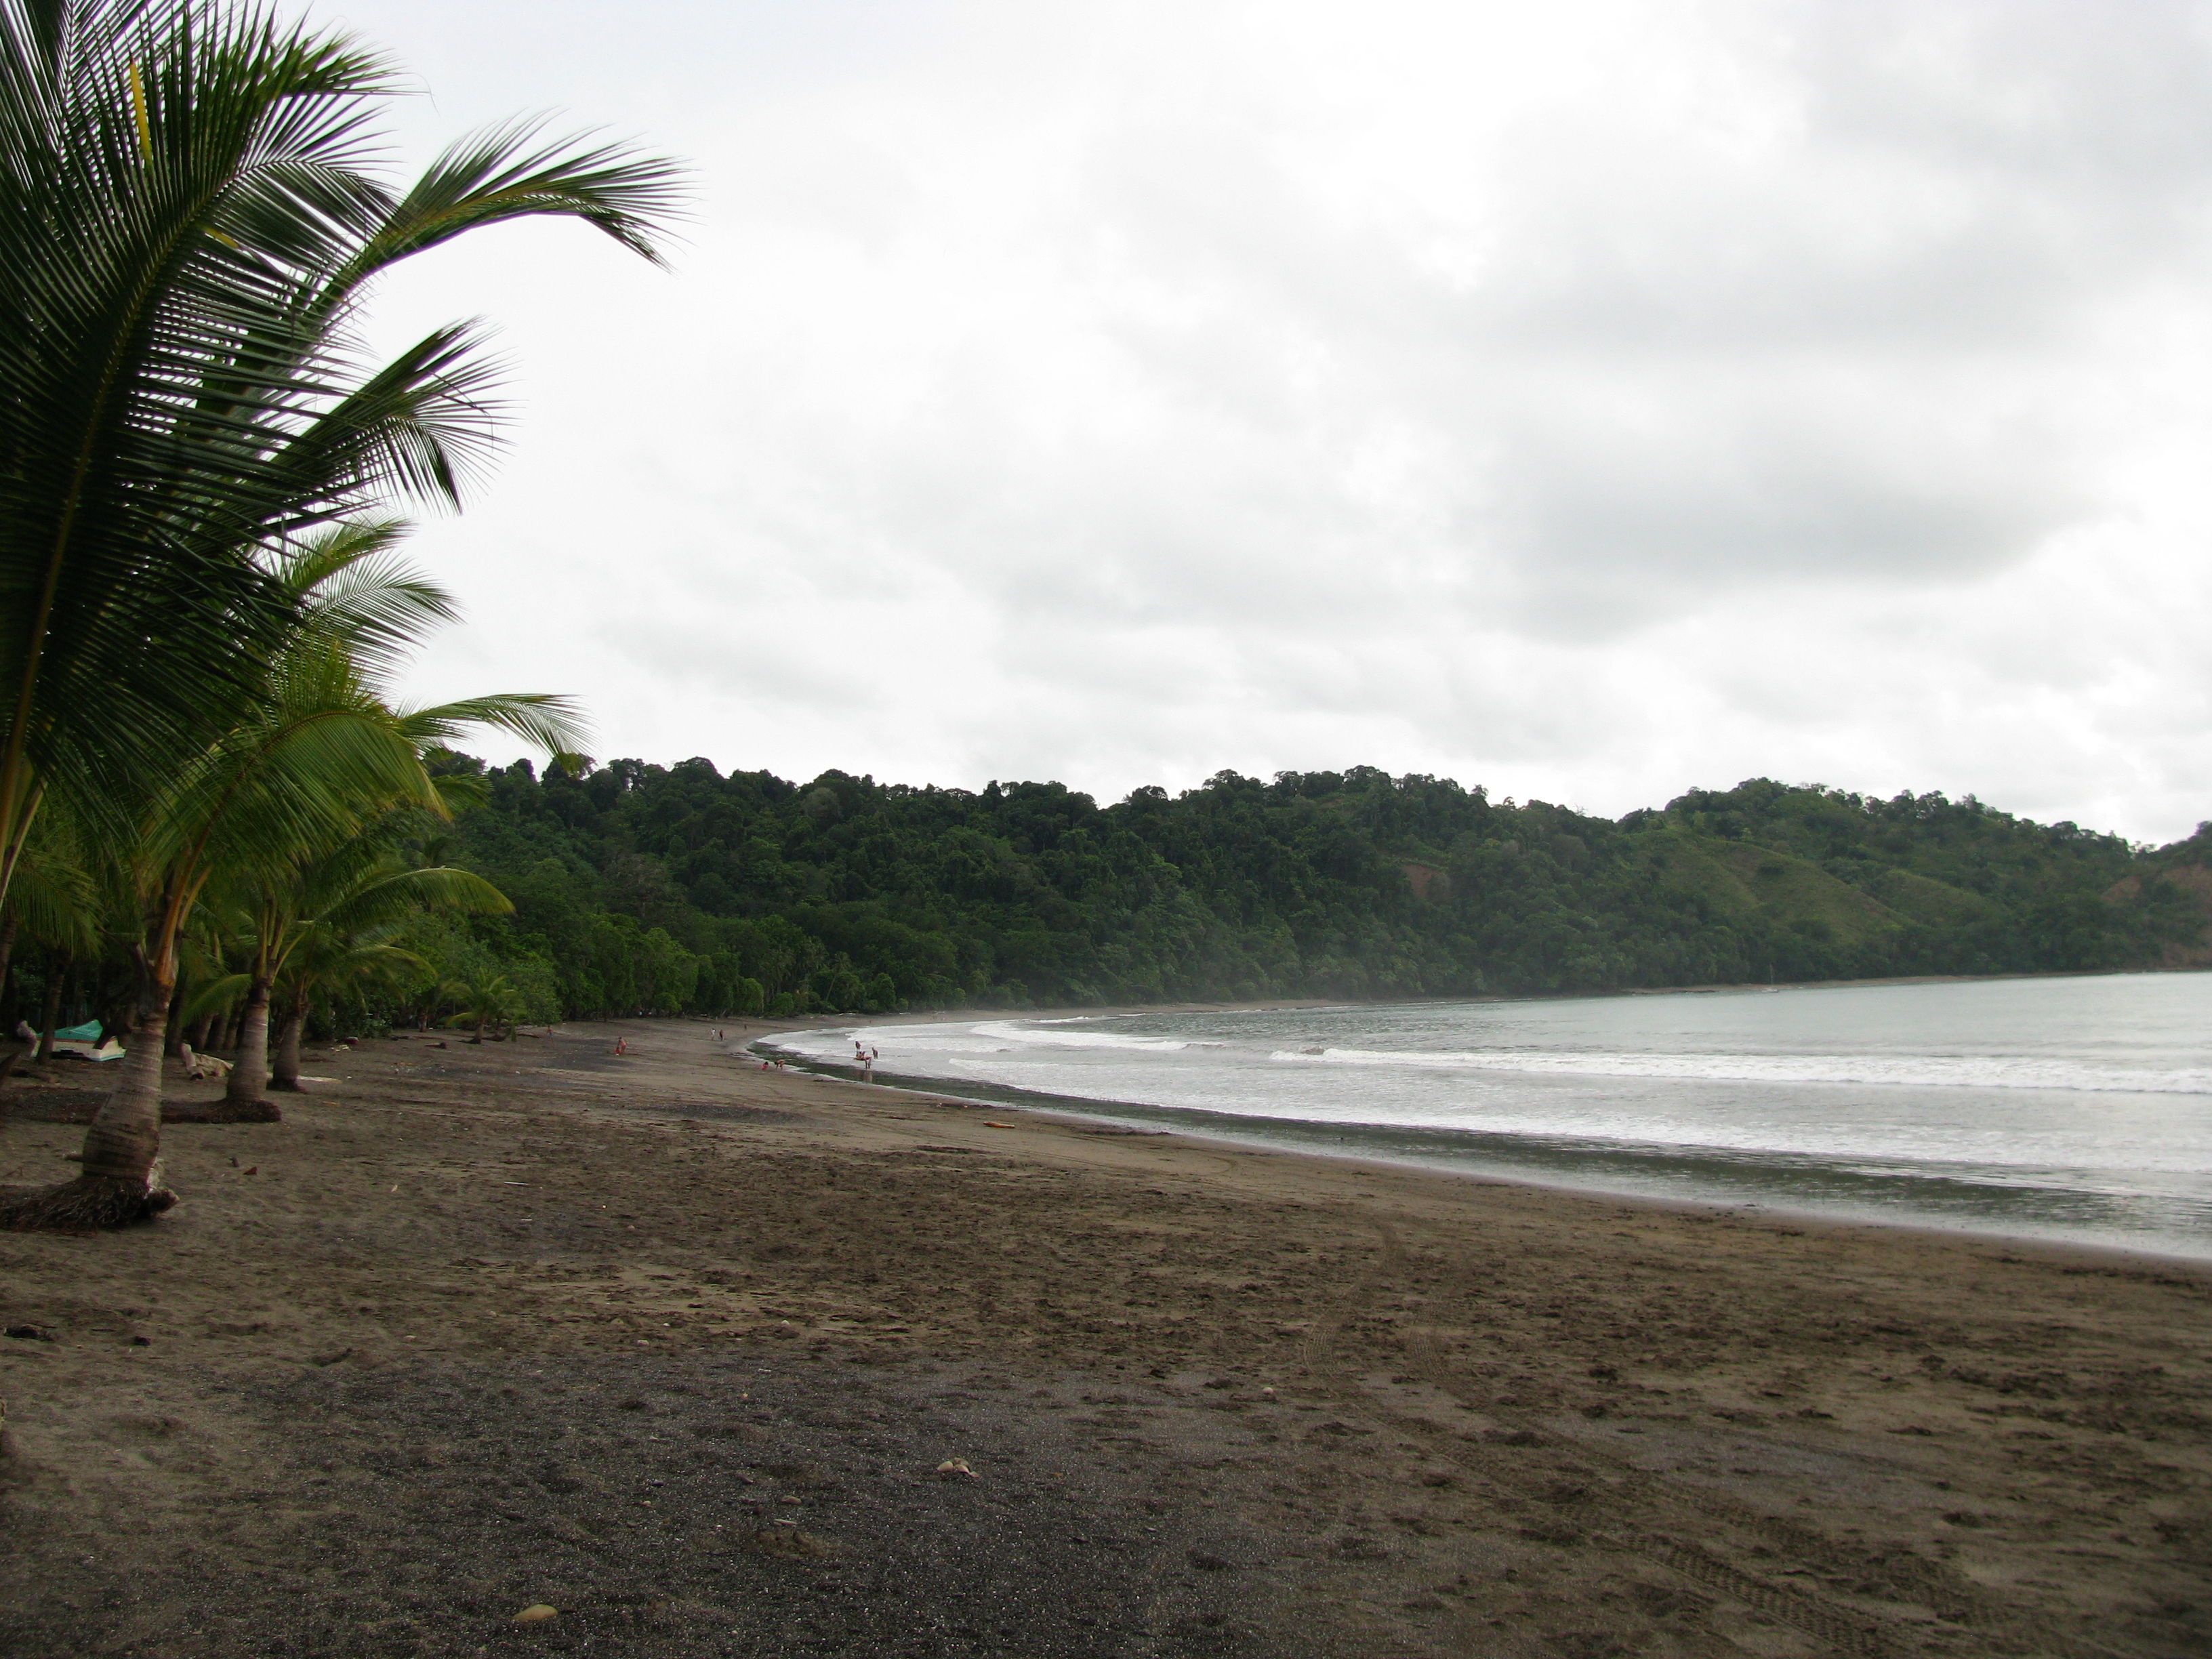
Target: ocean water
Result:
[2077, 1109]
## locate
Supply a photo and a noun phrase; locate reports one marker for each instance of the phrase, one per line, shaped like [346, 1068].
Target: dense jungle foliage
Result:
[648, 889]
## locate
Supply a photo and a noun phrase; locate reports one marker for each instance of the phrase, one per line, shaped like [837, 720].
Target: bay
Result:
[2075, 1109]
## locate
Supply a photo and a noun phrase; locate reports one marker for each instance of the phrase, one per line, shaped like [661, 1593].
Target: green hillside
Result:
[640, 887]
[1743, 880]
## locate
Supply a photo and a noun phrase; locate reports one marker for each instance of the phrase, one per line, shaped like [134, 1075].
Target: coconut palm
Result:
[352, 602]
[189, 221]
[316, 756]
[324, 972]
[354, 597]
[332, 919]
[55, 906]
[208, 987]
[190, 216]
[319, 758]
[488, 999]
[354, 905]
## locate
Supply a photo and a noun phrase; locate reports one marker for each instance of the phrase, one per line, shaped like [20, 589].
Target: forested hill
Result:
[640, 888]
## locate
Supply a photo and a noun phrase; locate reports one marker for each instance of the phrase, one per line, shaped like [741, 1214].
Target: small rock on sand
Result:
[790, 1543]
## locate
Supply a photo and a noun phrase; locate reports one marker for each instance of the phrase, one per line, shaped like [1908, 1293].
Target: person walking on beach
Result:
[868, 1066]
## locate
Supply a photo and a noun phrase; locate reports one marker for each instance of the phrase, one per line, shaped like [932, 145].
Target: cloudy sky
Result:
[1592, 400]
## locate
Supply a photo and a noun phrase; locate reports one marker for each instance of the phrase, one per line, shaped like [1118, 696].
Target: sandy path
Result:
[419, 1355]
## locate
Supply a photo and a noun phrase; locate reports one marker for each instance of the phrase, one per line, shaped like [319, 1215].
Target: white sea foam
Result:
[1905, 1070]
[1054, 1035]
[990, 1037]
[2076, 1108]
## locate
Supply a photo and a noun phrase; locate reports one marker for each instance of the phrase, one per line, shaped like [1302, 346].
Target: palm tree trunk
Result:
[122, 1157]
[249, 1072]
[172, 1038]
[286, 1076]
[122, 1178]
[15, 1056]
[57, 971]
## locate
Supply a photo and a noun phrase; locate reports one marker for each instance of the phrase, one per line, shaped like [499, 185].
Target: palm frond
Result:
[398, 895]
[55, 898]
[190, 201]
[551, 722]
[350, 584]
[215, 996]
[504, 173]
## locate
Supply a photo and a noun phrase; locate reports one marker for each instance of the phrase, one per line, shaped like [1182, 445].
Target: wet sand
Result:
[678, 1347]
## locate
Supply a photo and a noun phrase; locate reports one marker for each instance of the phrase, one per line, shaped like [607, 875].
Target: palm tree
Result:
[354, 905]
[488, 1000]
[352, 596]
[344, 912]
[188, 223]
[55, 906]
[319, 757]
[328, 957]
[316, 757]
[190, 216]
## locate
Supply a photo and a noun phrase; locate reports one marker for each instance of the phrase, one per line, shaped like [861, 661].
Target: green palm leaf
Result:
[189, 208]
[552, 723]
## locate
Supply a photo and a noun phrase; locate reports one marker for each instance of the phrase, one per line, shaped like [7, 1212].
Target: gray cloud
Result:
[1593, 400]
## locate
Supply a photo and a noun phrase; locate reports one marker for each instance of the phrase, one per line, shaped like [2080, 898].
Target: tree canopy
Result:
[642, 888]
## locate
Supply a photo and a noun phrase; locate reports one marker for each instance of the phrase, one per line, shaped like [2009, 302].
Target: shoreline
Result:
[2063, 1251]
[527, 1323]
[1013, 1097]
[1264, 1004]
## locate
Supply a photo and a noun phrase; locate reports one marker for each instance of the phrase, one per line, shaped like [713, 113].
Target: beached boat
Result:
[86, 1041]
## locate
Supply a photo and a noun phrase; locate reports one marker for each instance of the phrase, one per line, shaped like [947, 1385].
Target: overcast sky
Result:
[1592, 400]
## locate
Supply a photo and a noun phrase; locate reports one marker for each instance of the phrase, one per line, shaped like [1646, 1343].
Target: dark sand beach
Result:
[677, 1348]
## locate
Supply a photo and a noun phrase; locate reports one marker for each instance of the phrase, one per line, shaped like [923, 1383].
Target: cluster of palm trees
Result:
[203, 769]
